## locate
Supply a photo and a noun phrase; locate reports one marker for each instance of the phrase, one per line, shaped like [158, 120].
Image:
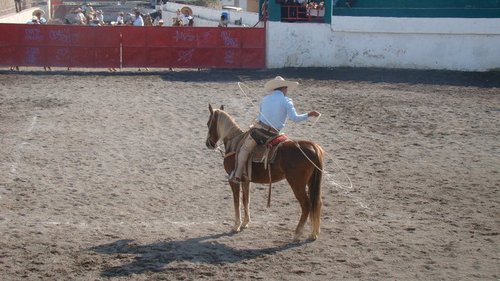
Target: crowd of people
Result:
[87, 15]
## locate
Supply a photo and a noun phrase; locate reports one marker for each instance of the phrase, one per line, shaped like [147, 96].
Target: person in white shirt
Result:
[138, 21]
[99, 16]
[275, 109]
[119, 19]
[80, 17]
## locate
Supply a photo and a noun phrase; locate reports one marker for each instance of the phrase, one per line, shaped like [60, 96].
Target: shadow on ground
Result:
[157, 256]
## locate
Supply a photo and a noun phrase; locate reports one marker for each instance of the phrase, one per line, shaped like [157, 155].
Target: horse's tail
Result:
[315, 190]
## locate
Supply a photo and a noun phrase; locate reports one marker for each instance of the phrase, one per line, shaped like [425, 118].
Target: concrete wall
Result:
[415, 43]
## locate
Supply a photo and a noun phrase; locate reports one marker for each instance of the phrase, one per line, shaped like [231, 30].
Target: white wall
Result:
[416, 43]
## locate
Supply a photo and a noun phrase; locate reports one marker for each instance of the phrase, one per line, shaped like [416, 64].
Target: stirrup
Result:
[235, 180]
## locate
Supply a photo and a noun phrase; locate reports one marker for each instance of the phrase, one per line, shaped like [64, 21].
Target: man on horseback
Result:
[275, 109]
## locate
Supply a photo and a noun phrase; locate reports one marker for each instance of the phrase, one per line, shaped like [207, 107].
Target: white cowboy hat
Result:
[279, 82]
[38, 11]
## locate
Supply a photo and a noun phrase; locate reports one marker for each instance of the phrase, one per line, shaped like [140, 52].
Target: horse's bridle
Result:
[209, 142]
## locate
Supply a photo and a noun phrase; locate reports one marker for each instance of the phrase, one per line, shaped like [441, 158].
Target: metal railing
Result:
[299, 13]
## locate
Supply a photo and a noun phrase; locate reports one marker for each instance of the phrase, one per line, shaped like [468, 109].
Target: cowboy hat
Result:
[279, 82]
[186, 10]
[38, 11]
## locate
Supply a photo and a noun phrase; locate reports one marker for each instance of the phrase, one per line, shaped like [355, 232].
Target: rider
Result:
[275, 109]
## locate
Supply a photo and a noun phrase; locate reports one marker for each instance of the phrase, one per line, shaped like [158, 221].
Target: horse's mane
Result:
[226, 124]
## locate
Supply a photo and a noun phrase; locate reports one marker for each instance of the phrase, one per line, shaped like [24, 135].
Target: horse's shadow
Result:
[155, 257]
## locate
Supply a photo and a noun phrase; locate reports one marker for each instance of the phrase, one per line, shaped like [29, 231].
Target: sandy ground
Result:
[106, 176]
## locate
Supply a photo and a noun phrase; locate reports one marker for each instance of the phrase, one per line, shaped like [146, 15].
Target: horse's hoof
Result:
[313, 237]
[296, 238]
[245, 224]
[236, 229]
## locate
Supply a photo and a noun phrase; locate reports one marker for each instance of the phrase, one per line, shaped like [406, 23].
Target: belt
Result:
[267, 127]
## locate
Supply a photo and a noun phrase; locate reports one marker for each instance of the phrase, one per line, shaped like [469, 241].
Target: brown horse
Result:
[290, 163]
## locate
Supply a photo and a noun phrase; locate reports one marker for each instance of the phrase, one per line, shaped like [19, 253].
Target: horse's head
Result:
[212, 124]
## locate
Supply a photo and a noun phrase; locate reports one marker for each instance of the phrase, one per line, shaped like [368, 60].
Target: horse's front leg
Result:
[246, 202]
[236, 199]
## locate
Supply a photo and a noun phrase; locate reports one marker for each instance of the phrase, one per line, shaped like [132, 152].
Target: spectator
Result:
[190, 21]
[148, 21]
[87, 9]
[19, 7]
[80, 17]
[119, 19]
[39, 15]
[157, 17]
[138, 21]
[223, 21]
[160, 23]
[89, 18]
[178, 20]
[99, 16]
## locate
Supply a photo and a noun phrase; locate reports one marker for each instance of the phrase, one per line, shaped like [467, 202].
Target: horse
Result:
[299, 162]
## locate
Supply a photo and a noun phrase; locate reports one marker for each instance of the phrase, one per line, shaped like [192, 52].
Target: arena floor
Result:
[106, 176]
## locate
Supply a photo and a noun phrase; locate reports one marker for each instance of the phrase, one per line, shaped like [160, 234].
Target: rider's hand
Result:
[313, 113]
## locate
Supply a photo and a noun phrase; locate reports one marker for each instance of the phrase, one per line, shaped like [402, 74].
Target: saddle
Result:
[265, 153]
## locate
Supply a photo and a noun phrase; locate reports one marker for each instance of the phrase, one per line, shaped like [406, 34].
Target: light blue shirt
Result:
[276, 108]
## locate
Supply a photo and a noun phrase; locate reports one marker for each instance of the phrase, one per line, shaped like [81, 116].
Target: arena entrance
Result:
[129, 46]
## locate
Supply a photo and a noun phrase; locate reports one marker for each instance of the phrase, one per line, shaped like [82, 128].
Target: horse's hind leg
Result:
[236, 199]
[246, 201]
[299, 189]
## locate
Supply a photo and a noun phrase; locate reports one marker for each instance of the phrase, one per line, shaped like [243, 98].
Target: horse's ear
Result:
[221, 107]
[210, 109]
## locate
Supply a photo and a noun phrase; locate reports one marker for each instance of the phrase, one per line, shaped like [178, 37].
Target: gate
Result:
[129, 46]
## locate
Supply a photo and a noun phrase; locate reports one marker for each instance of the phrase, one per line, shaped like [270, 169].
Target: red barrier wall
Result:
[106, 46]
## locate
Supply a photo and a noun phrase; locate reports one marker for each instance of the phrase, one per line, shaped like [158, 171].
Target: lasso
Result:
[240, 84]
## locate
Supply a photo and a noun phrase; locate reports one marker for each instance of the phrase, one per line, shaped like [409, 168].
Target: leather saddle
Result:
[266, 153]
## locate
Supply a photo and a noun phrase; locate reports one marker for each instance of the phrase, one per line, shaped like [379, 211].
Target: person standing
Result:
[80, 18]
[138, 20]
[99, 15]
[19, 7]
[275, 109]
[119, 19]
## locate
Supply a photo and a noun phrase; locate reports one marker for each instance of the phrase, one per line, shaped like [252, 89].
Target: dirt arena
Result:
[106, 176]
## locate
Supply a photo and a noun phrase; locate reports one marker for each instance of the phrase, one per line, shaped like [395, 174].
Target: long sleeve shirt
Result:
[138, 21]
[276, 108]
